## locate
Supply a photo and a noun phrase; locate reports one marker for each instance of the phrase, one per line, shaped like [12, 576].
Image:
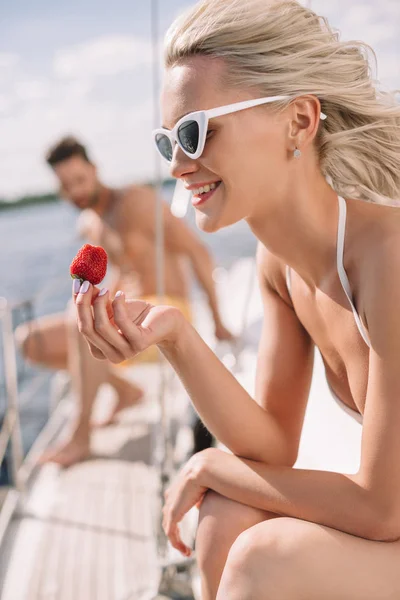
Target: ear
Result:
[305, 121]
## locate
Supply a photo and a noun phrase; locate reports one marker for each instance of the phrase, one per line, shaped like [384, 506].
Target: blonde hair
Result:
[280, 47]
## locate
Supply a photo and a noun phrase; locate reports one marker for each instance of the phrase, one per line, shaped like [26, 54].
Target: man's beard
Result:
[95, 197]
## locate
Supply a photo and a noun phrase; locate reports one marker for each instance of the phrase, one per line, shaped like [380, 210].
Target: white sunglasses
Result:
[190, 132]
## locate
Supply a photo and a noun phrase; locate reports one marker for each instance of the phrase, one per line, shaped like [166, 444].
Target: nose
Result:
[181, 164]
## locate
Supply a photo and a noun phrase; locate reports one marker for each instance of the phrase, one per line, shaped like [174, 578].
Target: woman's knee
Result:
[265, 560]
[221, 521]
[211, 529]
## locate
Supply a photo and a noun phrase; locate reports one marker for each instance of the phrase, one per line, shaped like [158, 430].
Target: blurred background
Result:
[84, 68]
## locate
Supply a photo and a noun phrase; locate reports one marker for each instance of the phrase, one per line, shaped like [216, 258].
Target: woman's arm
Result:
[332, 499]
[227, 410]
[266, 431]
[366, 504]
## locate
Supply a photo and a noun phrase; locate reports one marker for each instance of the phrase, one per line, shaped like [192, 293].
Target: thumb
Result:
[128, 323]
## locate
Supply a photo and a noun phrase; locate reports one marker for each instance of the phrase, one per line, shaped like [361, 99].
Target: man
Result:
[123, 222]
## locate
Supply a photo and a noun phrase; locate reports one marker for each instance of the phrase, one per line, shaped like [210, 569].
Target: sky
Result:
[84, 67]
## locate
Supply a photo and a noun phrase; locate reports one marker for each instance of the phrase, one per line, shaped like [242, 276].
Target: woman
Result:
[328, 259]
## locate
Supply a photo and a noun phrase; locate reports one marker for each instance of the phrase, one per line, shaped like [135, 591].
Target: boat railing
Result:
[10, 431]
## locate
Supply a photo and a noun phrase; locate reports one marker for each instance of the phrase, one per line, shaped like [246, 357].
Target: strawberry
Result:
[90, 264]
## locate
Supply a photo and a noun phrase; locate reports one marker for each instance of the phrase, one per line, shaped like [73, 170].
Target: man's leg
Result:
[55, 342]
[44, 341]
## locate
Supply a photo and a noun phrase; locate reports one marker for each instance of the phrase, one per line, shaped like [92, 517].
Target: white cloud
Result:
[107, 55]
[8, 61]
[5, 103]
[368, 23]
[9, 68]
[391, 8]
[389, 70]
[32, 89]
[77, 90]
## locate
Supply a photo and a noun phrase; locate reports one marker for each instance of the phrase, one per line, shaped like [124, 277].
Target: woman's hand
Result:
[120, 329]
[185, 492]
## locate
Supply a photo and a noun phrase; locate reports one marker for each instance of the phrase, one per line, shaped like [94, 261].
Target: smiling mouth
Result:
[202, 194]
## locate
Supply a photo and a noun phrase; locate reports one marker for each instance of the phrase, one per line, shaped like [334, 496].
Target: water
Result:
[38, 243]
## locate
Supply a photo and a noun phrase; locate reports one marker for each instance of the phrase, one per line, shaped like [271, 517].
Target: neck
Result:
[301, 229]
[104, 199]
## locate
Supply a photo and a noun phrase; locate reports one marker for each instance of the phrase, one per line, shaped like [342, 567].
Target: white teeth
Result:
[204, 189]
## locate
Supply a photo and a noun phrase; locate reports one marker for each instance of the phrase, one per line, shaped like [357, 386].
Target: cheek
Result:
[265, 157]
[253, 150]
[89, 186]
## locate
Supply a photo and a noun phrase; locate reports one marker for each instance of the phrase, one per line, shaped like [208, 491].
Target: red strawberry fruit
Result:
[90, 264]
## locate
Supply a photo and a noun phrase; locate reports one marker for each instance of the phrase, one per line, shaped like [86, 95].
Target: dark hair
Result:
[66, 148]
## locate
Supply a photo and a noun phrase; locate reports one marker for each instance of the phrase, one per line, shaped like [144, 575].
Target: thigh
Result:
[221, 521]
[299, 560]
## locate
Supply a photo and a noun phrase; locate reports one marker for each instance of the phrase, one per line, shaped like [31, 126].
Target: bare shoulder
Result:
[378, 246]
[136, 204]
[137, 196]
[272, 273]
[379, 266]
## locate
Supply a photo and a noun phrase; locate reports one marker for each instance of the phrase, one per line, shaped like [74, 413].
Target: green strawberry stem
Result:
[77, 277]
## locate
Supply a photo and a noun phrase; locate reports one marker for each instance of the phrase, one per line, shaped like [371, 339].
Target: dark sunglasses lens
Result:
[188, 135]
[164, 146]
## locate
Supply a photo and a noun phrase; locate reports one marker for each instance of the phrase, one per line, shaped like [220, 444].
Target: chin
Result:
[81, 204]
[213, 223]
[206, 224]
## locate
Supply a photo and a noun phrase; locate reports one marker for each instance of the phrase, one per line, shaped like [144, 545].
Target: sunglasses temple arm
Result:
[237, 106]
[230, 108]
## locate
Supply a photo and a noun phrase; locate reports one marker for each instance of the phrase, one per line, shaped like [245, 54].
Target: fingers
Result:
[175, 539]
[76, 286]
[105, 328]
[99, 346]
[171, 530]
[129, 326]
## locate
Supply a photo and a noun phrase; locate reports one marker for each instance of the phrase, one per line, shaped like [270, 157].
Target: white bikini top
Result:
[341, 271]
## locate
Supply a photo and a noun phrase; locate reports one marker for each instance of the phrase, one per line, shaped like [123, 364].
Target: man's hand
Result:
[222, 333]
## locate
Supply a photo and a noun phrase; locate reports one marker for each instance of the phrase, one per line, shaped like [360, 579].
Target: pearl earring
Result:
[297, 153]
